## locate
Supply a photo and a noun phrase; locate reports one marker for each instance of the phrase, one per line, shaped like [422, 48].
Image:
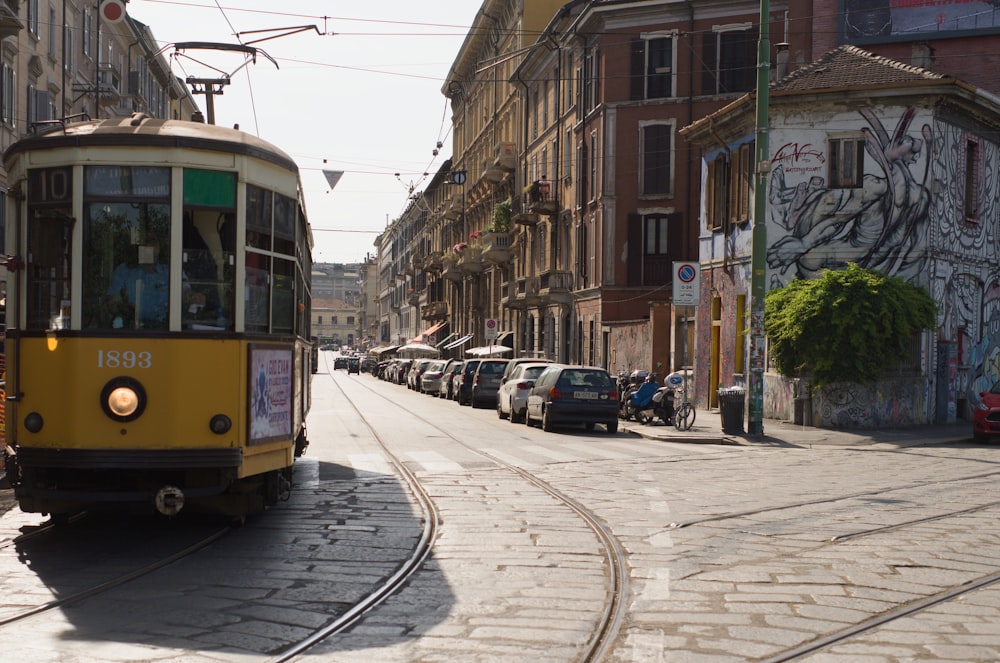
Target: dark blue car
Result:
[573, 395]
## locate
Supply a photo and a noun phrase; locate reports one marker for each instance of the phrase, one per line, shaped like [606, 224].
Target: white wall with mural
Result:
[908, 218]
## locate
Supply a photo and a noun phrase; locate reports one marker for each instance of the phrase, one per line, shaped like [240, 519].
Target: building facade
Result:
[872, 162]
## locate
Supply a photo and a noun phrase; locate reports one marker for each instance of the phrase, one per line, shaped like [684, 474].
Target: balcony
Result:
[497, 247]
[508, 295]
[432, 263]
[556, 287]
[10, 24]
[434, 311]
[532, 294]
[109, 83]
[526, 292]
[519, 214]
[450, 270]
[413, 298]
[540, 198]
[505, 156]
[471, 260]
[453, 210]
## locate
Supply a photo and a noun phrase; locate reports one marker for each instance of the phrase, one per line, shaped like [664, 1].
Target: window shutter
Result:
[637, 74]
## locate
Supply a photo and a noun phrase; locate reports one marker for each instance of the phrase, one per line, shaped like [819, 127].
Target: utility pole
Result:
[758, 251]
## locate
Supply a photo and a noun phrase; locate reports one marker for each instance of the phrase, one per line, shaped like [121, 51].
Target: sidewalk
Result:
[707, 429]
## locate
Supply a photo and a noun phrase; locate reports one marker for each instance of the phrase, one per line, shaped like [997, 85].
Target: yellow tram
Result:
[158, 313]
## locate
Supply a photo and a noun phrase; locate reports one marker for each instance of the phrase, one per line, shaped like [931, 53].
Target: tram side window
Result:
[257, 294]
[209, 249]
[283, 293]
[126, 246]
[259, 214]
[284, 225]
[50, 225]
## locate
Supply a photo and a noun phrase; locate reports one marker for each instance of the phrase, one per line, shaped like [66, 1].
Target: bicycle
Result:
[684, 414]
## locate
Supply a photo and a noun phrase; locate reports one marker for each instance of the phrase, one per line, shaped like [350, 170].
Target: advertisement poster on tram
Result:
[270, 394]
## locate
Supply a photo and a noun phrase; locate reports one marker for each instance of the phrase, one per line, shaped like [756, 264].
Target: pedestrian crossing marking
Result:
[369, 463]
[435, 462]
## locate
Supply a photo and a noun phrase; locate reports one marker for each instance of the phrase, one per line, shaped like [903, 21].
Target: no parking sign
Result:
[491, 329]
[687, 283]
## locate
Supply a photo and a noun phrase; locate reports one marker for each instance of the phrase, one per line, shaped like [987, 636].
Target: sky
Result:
[360, 93]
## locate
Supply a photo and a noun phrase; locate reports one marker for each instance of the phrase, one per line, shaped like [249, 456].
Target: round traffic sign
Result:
[113, 11]
[491, 324]
[687, 273]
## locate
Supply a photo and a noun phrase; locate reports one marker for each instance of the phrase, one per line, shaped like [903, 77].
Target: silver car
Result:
[486, 382]
[430, 379]
[512, 397]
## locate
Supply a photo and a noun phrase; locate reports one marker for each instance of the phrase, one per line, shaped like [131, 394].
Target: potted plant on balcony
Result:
[449, 264]
[501, 217]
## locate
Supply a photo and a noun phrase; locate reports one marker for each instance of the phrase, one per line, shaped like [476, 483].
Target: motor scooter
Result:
[650, 401]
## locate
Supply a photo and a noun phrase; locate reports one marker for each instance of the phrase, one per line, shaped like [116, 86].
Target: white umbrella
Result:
[489, 350]
[418, 350]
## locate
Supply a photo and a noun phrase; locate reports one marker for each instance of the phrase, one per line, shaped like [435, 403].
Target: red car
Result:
[986, 415]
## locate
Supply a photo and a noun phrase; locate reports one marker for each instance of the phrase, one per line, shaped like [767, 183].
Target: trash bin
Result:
[731, 404]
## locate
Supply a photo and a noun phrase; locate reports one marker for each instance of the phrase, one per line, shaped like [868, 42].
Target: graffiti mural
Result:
[908, 219]
[880, 225]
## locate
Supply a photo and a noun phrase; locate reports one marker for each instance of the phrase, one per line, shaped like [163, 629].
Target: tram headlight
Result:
[123, 399]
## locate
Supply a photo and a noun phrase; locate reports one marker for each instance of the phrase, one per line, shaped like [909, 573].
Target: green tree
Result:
[847, 325]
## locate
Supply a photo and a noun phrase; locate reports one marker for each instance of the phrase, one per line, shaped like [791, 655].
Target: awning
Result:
[430, 330]
[445, 340]
[505, 338]
[489, 351]
[382, 350]
[462, 341]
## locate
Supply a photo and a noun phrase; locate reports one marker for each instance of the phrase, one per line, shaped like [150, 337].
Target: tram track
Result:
[734, 515]
[613, 612]
[113, 581]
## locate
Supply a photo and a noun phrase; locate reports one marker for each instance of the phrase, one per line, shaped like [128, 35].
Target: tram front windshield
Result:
[126, 266]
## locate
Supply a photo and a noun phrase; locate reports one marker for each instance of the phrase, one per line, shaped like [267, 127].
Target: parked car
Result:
[486, 381]
[353, 365]
[417, 369]
[402, 368]
[565, 395]
[512, 396]
[339, 362]
[451, 372]
[430, 380]
[986, 415]
[463, 390]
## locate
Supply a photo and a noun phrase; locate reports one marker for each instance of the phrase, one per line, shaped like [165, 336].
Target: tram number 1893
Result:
[124, 359]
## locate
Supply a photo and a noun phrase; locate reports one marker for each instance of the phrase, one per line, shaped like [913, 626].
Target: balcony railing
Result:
[471, 261]
[434, 311]
[556, 286]
[432, 263]
[450, 270]
[541, 197]
[519, 212]
[497, 247]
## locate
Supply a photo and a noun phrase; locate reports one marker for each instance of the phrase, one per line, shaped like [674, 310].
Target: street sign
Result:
[491, 329]
[687, 283]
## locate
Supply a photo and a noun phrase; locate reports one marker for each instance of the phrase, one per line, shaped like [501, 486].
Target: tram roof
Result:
[140, 130]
